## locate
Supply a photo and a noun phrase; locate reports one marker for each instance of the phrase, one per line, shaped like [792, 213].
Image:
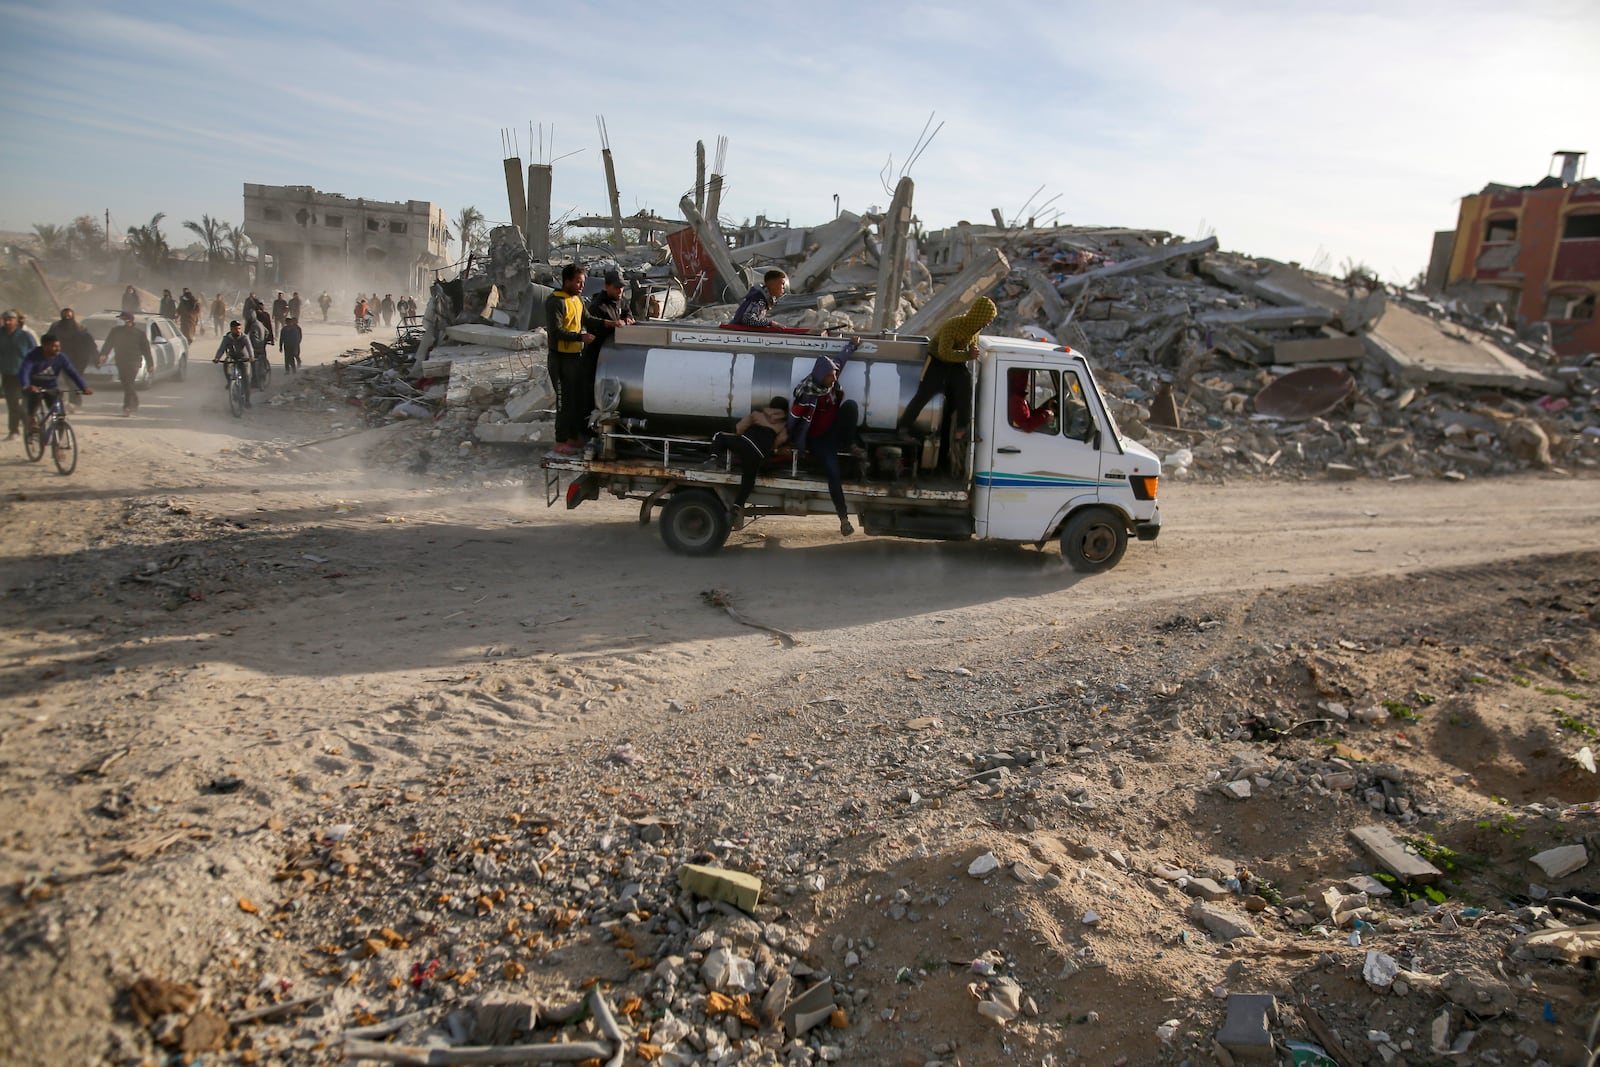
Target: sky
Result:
[1312, 132]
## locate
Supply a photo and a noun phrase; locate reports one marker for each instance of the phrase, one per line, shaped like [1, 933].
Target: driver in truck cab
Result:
[1018, 409]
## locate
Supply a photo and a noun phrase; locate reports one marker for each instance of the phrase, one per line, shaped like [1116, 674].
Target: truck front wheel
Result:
[1093, 540]
[694, 523]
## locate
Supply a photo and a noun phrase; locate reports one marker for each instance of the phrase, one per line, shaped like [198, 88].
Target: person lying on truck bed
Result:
[822, 420]
[757, 436]
[755, 310]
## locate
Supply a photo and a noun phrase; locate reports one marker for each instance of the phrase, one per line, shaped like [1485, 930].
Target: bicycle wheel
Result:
[32, 439]
[64, 447]
[237, 394]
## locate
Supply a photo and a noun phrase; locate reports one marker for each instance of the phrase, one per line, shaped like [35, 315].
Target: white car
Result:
[168, 349]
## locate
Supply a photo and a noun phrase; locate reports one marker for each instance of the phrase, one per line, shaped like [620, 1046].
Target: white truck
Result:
[662, 390]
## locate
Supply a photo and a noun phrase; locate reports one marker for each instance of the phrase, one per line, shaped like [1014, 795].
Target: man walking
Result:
[16, 341]
[130, 299]
[219, 312]
[386, 309]
[324, 302]
[280, 311]
[188, 314]
[77, 343]
[294, 306]
[129, 347]
[289, 339]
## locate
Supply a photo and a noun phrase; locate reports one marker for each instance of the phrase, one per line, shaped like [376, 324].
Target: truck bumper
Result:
[1149, 531]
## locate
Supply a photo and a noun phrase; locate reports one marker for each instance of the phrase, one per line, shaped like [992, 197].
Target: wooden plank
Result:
[1394, 856]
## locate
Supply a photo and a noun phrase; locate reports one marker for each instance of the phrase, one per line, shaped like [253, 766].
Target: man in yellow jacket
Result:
[954, 345]
[567, 329]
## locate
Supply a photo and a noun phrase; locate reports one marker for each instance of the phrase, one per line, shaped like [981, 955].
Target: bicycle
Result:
[261, 372]
[233, 380]
[47, 427]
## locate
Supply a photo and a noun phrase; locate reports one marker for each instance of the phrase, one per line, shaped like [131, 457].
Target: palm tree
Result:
[86, 237]
[53, 240]
[212, 233]
[237, 240]
[147, 243]
[467, 224]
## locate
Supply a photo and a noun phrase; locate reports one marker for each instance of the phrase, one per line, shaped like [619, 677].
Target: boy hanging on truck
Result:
[954, 345]
[822, 420]
[757, 436]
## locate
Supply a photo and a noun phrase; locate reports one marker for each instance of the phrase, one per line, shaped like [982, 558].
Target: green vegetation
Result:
[1551, 691]
[1405, 892]
[1517, 679]
[1506, 824]
[1573, 724]
[1402, 711]
[1441, 856]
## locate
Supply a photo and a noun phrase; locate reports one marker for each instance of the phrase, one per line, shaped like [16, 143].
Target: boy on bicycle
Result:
[40, 373]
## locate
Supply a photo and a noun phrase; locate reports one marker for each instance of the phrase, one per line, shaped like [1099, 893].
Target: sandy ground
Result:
[180, 613]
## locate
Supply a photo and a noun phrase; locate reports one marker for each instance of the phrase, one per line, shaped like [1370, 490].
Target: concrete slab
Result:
[1416, 349]
[1330, 348]
[492, 337]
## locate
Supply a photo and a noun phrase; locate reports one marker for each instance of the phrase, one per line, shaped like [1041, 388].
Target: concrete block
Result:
[1225, 923]
[714, 883]
[1561, 861]
[526, 408]
[1404, 864]
[508, 433]
[495, 337]
[1205, 889]
[1246, 1032]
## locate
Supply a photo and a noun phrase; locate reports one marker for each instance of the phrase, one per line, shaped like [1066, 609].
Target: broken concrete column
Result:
[714, 200]
[516, 195]
[538, 231]
[986, 270]
[894, 231]
[1268, 318]
[731, 284]
[999, 219]
[837, 239]
[1154, 261]
[700, 176]
[616, 199]
[1050, 302]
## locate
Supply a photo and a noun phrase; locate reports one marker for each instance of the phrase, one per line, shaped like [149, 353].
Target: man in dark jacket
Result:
[280, 311]
[259, 331]
[16, 341]
[130, 299]
[386, 309]
[609, 309]
[77, 344]
[289, 339]
[169, 306]
[129, 347]
[822, 421]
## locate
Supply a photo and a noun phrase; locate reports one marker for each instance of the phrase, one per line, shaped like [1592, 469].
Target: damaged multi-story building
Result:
[325, 240]
[1534, 250]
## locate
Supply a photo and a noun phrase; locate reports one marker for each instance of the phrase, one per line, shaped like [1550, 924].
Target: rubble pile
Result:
[1187, 340]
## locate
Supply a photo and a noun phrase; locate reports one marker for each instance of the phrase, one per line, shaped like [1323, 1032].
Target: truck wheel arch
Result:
[1071, 508]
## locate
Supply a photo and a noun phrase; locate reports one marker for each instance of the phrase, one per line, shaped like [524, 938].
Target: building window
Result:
[1500, 230]
[1570, 304]
[1578, 226]
[400, 227]
[333, 221]
[372, 225]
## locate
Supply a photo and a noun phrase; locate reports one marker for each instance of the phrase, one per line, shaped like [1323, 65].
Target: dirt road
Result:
[203, 605]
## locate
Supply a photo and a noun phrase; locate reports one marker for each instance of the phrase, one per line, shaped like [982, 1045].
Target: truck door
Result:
[1038, 452]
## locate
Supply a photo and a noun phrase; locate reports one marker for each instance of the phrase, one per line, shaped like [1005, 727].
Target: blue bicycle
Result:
[47, 427]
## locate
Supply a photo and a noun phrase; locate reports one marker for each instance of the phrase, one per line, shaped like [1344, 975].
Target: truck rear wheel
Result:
[1093, 540]
[694, 522]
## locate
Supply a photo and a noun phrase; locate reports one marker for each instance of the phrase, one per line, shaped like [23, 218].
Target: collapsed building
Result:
[1226, 364]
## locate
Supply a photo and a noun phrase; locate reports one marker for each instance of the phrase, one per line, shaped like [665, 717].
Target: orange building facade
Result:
[1536, 248]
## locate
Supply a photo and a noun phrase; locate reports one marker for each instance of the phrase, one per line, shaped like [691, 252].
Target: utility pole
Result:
[108, 231]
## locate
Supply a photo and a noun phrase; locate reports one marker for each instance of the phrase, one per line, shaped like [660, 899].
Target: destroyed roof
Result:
[1551, 181]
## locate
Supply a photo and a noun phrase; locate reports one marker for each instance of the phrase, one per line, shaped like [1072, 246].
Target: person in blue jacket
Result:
[41, 371]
